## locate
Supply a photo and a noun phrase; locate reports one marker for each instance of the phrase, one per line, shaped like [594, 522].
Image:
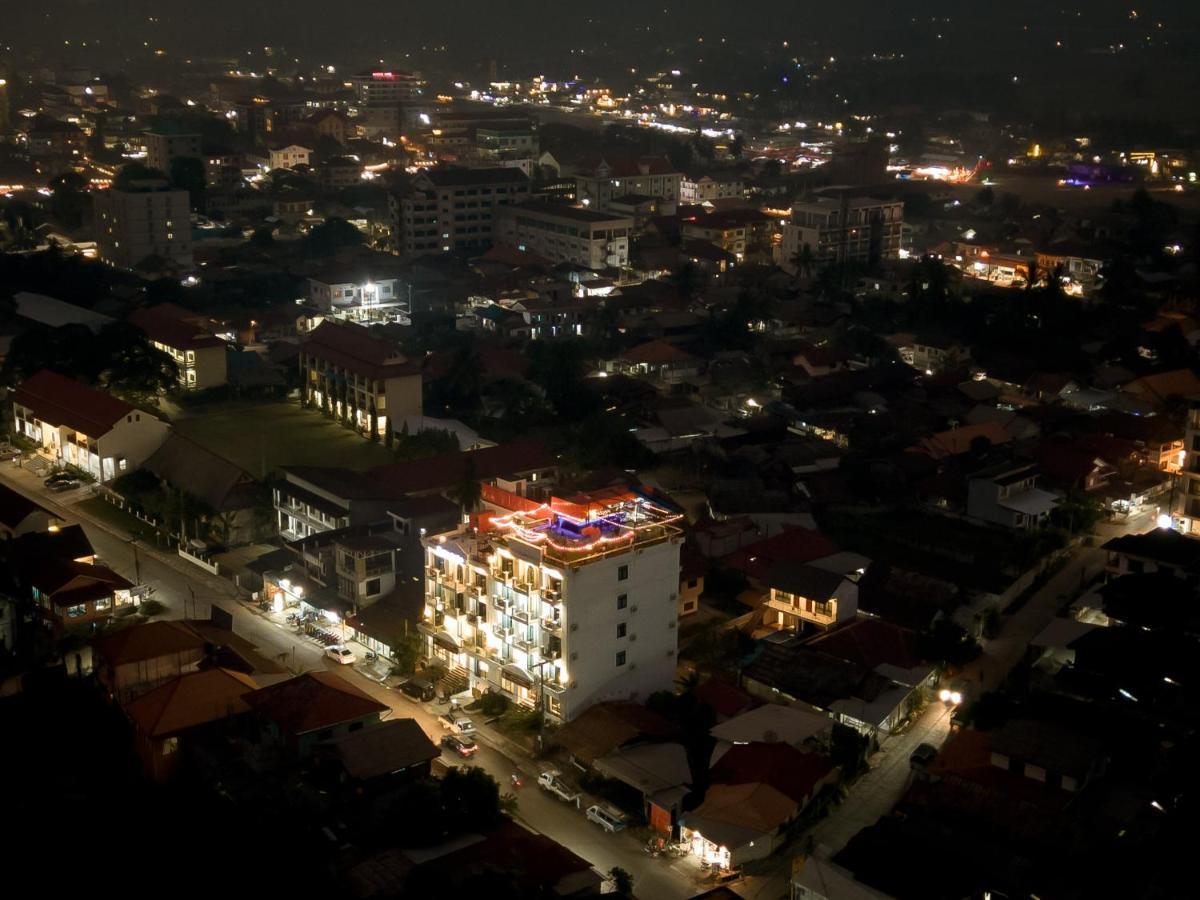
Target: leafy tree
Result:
[330, 236]
[67, 199]
[805, 261]
[986, 197]
[472, 794]
[134, 172]
[622, 880]
[848, 749]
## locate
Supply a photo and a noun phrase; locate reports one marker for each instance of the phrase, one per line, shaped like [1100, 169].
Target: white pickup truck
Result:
[456, 722]
[549, 781]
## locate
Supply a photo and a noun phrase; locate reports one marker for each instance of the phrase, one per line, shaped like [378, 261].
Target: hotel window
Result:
[75, 612]
[622, 573]
[621, 628]
[621, 658]
[622, 601]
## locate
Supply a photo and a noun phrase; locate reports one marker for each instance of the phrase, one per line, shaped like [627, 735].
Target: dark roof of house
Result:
[804, 580]
[190, 700]
[151, 640]
[440, 472]
[164, 325]
[388, 747]
[353, 347]
[221, 484]
[312, 701]
[870, 643]
[392, 615]
[60, 400]
[794, 545]
[1162, 544]
[564, 211]
[723, 698]
[794, 773]
[813, 676]
[16, 507]
[656, 353]
[605, 727]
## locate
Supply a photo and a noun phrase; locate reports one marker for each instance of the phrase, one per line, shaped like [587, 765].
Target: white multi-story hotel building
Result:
[567, 603]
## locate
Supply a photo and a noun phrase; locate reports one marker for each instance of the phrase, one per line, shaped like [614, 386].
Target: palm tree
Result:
[468, 493]
[805, 261]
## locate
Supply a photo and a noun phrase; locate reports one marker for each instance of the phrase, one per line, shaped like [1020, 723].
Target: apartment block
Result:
[164, 147]
[846, 229]
[449, 210]
[146, 219]
[562, 604]
[570, 234]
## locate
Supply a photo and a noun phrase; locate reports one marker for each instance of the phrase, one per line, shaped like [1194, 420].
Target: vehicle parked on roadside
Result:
[457, 722]
[417, 688]
[550, 781]
[341, 654]
[922, 756]
[460, 745]
[64, 484]
[606, 819]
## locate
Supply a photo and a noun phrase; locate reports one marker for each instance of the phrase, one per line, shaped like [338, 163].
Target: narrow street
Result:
[174, 580]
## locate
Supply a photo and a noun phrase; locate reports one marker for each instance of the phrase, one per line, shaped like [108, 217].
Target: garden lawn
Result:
[260, 437]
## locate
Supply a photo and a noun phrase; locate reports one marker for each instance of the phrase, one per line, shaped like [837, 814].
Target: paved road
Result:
[175, 581]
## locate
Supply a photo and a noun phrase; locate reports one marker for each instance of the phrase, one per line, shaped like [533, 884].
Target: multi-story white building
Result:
[290, 156]
[147, 218]
[570, 234]
[359, 295]
[711, 186]
[450, 210]
[597, 185]
[849, 229]
[563, 604]
[164, 147]
[386, 87]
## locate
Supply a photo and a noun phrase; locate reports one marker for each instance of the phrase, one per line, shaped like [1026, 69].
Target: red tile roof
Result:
[870, 643]
[312, 701]
[440, 472]
[794, 773]
[149, 641]
[170, 325]
[60, 400]
[723, 698]
[795, 545]
[353, 347]
[656, 353]
[190, 700]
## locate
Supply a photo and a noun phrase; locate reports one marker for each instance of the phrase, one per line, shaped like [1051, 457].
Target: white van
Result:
[609, 821]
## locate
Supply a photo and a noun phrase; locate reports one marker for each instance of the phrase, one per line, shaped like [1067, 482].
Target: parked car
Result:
[462, 746]
[416, 688]
[922, 756]
[341, 654]
[60, 475]
[609, 821]
[64, 484]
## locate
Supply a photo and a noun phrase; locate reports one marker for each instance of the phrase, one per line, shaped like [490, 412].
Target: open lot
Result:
[260, 437]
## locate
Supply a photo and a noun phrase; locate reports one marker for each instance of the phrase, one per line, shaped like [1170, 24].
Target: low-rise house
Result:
[851, 693]
[139, 658]
[68, 594]
[230, 492]
[170, 715]
[367, 294]
[289, 156]
[1006, 494]
[659, 359]
[935, 354]
[771, 723]
[81, 426]
[19, 515]
[311, 708]
[810, 594]
[378, 758]
[199, 355]
[738, 823]
[964, 439]
[1160, 550]
[1160, 388]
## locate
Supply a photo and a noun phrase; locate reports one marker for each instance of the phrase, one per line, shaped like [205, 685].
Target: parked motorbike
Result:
[517, 781]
